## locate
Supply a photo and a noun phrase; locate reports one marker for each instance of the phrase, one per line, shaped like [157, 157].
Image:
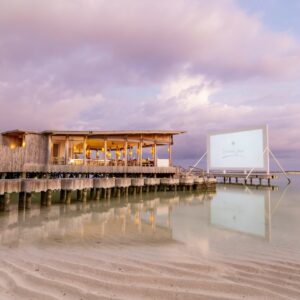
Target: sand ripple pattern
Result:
[142, 273]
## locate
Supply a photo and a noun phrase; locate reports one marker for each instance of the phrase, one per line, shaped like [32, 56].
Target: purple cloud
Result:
[61, 61]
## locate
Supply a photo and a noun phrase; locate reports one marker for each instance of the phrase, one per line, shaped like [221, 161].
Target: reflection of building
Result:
[114, 223]
[242, 210]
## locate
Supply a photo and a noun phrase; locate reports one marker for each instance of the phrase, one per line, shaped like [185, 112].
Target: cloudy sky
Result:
[195, 65]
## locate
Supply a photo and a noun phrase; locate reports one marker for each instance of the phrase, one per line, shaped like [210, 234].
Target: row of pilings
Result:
[92, 188]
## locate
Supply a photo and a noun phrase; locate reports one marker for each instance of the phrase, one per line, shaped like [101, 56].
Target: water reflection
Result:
[233, 212]
[243, 210]
[146, 218]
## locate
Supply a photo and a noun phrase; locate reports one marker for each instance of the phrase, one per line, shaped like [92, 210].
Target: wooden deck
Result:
[79, 169]
[243, 177]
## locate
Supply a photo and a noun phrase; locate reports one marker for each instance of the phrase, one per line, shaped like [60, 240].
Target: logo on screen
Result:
[232, 150]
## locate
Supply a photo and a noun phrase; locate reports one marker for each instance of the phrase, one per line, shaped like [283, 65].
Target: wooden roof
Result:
[96, 132]
[114, 132]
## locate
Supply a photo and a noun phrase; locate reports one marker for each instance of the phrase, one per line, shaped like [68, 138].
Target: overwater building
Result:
[133, 152]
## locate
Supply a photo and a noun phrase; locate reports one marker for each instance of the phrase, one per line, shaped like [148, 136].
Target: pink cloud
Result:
[60, 60]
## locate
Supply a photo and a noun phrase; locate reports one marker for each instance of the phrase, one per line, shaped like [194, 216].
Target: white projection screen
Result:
[241, 150]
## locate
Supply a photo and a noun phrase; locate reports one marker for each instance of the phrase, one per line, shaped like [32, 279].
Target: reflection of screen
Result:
[239, 211]
[238, 150]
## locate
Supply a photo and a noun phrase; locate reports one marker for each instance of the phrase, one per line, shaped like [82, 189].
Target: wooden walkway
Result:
[261, 178]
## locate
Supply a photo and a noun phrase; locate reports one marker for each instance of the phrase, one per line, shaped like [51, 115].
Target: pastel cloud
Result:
[62, 61]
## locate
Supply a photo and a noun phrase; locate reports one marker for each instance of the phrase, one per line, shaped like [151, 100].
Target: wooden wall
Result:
[36, 150]
[11, 160]
[34, 154]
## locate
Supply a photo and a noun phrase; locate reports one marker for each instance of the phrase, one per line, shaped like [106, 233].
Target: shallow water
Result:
[235, 218]
[240, 242]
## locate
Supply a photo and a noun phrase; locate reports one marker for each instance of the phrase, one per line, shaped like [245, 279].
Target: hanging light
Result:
[152, 151]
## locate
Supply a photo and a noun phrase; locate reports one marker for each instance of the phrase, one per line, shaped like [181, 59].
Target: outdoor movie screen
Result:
[239, 150]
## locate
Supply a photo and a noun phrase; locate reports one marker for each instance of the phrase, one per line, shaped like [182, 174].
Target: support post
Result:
[69, 197]
[67, 150]
[22, 200]
[49, 198]
[63, 195]
[141, 153]
[84, 195]
[43, 198]
[84, 151]
[49, 159]
[125, 152]
[170, 155]
[155, 154]
[6, 201]
[98, 194]
[28, 201]
[105, 152]
[279, 165]
[197, 163]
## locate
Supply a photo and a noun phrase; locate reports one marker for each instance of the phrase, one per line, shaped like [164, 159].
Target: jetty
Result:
[91, 164]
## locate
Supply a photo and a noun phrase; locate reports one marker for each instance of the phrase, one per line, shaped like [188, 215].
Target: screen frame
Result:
[265, 168]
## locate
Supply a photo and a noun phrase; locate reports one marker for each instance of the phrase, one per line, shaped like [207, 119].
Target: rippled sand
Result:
[143, 273]
[107, 252]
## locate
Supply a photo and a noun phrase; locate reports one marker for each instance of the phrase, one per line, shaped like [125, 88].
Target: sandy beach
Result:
[144, 273]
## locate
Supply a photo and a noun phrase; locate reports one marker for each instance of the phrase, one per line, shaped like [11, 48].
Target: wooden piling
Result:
[43, 198]
[22, 200]
[63, 196]
[49, 198]
[98, 194]
[79, 195]
[84, 195]
[69, 197]
[6, 201]
[28, 201]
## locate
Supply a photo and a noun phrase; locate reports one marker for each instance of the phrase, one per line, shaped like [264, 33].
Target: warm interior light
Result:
[136, 219]
[151, 218]
[12, 146]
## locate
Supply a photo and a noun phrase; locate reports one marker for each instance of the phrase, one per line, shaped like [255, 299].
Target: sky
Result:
[191, 65]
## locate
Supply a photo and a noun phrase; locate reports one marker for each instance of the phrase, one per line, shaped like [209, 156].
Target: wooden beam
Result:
[67, 150]
[141, 153]
[170, 155]
[105, 152]
[155, 155]
[125, 152]
[49, 159]
[84, 151]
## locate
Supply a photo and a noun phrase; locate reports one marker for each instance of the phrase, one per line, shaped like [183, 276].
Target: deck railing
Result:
[101, 162]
